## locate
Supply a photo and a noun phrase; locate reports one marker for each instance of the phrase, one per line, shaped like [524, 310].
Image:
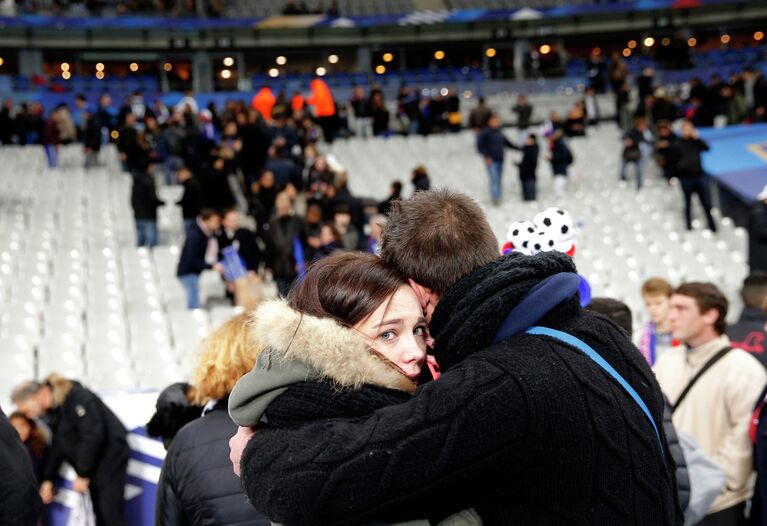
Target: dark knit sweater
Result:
[308, 401]
[528, 431]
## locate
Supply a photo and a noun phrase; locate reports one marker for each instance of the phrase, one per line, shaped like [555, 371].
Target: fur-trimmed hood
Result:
[298, 348]
[60, 388]
[333, 351]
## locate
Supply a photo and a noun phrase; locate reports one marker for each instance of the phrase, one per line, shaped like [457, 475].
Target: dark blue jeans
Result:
[146, 233]
[528, 189]
[495, 172]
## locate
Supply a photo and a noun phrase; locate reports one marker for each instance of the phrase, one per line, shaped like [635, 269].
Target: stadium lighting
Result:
[228, 62]
[66, 75]
[320, 71]
[381, 69]
[632, 44]
[115, 135]
[758, 36]
[100, 66]
[281, 61]
[725, 39]
[443, 92]
[333, 59]
[100, 75]
[439, 54]
[490, 52]
[545, 49]
[627, 52]
[649, 42]
[274, 72]
[692, 41]
[666, 41]
[64, 66]
[2, 61]
[133, 67]
[167, 66]
[388, 57]
[226, 74]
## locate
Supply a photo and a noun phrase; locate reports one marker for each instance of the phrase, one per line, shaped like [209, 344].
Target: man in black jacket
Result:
[200, 252]
[191, 201]
[490, 144]
[20, 504]
[145, 203]
[757, 233]
[88, 435]
[281, 235]
[524, 428]
[688, 168]
[750, 333]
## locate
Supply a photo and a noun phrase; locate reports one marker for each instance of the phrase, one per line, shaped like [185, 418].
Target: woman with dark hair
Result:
[351, 338]
[330, 241]
[33, 439]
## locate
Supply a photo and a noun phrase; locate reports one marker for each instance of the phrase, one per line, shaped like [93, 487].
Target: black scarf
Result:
[470, 313]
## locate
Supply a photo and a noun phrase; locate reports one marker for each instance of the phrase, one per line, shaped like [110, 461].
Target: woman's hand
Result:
[237, 445]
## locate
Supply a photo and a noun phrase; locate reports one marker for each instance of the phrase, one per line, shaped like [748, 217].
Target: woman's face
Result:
[397, 329]
[326, 235]
[22, 428]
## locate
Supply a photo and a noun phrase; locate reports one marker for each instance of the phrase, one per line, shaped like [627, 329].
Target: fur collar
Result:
[336, 353]
[60, 388]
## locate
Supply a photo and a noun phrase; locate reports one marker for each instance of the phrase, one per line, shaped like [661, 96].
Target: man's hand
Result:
[218, 267]
[46, 492]
[237, 445]
[80, 484]
[488, 161]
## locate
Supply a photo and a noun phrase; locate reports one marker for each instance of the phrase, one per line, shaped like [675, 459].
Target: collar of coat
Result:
[60, 388]
[330, 350]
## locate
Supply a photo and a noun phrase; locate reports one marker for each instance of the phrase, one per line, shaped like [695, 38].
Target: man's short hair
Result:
[23, 392]
[207, 213]
[754, 291]
[616, 310]
[657, 287]
[437, 237]
[708, 297]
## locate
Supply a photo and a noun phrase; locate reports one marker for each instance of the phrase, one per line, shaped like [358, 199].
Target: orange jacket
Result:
[297, 103]
[322, 99]
[264, 101]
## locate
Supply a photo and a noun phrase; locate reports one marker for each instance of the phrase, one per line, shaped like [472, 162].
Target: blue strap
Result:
[591, 353]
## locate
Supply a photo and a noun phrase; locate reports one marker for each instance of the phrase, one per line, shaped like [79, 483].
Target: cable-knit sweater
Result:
[528, 431]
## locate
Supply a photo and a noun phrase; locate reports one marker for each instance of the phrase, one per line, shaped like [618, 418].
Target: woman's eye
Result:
[386, 336]
[420, 331]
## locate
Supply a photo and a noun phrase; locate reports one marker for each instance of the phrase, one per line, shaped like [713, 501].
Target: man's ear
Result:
[422, 293]
[711, 316]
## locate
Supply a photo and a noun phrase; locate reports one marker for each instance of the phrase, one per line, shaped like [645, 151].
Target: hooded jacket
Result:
[86, 433]
[314, 369]
[527, 430]
[299, 349]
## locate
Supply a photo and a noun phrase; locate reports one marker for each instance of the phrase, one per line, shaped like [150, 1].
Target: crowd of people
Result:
[172, 8]
[400, 326]
[327, 403]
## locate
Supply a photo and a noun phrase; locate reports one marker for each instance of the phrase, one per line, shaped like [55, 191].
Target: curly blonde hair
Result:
[227, 353]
